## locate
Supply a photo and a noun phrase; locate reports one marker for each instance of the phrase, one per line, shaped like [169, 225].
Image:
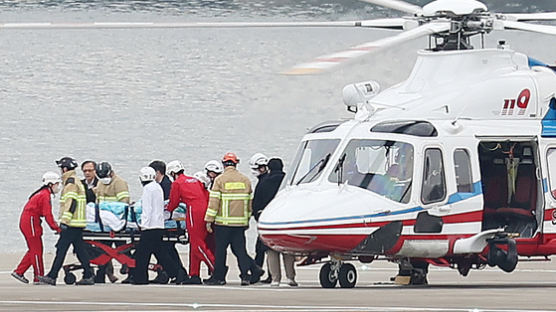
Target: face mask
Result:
[106, 180]
[55, 188]
[255, 172]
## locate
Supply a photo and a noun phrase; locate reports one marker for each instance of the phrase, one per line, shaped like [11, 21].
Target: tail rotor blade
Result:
[332, 61]
[525, 17]
[397, 5]
[543, 29]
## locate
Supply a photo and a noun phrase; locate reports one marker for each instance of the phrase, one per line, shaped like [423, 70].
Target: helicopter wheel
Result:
[347, 275]
[328, 275]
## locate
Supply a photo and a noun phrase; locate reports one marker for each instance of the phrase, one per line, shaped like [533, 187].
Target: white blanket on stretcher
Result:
[108, 218]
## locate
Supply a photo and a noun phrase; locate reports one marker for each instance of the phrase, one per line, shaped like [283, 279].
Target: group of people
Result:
[219, 200]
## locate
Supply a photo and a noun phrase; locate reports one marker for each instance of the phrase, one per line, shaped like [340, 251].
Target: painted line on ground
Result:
[259, 306]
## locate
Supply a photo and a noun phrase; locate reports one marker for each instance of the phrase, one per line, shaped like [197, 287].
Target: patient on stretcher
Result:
[118, 216]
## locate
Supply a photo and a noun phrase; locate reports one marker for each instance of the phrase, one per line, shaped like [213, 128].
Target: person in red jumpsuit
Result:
[191, 191]
[30, 225]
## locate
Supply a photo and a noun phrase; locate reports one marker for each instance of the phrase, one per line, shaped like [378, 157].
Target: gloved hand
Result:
[209, 227]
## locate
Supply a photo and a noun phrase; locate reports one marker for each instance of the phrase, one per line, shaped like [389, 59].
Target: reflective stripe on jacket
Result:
[72, 201]
[230, 199]
[116, 191]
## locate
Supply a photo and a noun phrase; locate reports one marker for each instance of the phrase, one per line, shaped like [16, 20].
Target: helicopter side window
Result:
[462, 163]
[382, 167]
[551, 159]
[434, 180]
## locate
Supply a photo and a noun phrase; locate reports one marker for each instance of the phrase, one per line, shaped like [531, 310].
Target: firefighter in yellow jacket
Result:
[229, 209]
[72, 222]
[110, 188]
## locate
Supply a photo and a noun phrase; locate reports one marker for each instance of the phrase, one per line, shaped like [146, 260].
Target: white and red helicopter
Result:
[455, 166]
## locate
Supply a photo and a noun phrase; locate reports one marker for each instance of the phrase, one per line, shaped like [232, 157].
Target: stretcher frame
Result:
[102, 242]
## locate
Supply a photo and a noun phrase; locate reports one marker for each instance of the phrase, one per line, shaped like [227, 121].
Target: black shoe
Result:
[193, 280]
[245, 282]
[86, 281]
[99, 279]
[20, 278]
[181, 277]
[267, 280]
[256, 273]
[215, 282]
[129, 280]
[161, 278]
[46, 280]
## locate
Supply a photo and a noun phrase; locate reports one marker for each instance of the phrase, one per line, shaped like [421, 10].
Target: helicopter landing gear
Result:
[335, 271]
[504, 259]
[412, 273]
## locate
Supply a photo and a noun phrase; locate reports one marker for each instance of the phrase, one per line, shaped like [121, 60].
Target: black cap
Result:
[103, 169]
[67, 162]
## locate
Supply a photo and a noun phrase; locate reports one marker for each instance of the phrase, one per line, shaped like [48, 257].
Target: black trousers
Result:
[151, 243]
[234, 236]
[173, 256]
[71, 236]
[260, 249]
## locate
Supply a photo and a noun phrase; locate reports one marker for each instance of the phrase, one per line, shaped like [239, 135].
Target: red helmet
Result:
[230, 157]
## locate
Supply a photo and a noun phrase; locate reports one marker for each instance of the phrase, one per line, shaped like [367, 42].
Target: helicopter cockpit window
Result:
[382, 167]
[311, 159]
[434, 180]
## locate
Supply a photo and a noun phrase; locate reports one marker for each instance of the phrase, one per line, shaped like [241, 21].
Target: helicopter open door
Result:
[549, 224]
[512, 190]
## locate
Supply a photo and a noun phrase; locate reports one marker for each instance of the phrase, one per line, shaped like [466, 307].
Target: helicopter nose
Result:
[305, 220]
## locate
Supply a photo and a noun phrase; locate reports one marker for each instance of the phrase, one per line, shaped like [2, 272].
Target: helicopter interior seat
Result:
[519, 216]
[495, 191]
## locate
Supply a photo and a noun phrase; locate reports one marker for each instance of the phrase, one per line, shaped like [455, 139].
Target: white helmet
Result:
[214, 166]
[174, 167]
[147, 174]
[50, 177]
[201, 176]
[257, 160]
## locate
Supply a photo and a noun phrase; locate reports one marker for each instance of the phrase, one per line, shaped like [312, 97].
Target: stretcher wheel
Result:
[69, 278]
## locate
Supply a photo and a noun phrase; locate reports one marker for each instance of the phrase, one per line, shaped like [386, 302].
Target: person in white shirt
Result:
[152, 228]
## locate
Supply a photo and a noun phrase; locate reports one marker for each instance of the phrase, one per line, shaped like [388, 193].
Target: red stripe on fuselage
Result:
[474, 216]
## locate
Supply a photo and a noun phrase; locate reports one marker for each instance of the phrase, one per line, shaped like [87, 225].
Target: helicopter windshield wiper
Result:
[320, 164]
[340, 168]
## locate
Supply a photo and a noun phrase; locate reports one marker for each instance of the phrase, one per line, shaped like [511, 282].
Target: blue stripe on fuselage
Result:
[454, 198]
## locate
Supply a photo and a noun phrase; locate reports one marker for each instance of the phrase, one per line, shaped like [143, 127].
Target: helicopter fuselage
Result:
[457, 159]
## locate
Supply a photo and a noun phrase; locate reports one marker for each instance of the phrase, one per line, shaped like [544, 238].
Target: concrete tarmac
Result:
[532, 287]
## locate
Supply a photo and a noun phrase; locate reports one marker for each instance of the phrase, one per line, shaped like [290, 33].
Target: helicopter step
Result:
[335, 271]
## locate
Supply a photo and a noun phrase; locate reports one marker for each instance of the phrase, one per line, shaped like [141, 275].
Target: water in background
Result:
[131, 96]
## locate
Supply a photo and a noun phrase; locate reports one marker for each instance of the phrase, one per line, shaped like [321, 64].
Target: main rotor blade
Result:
[397, 5]
[331, 61]
[543, 29]
[524, 17]
[392, 23]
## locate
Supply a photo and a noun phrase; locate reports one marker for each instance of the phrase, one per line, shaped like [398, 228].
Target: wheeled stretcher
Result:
[113, 232]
